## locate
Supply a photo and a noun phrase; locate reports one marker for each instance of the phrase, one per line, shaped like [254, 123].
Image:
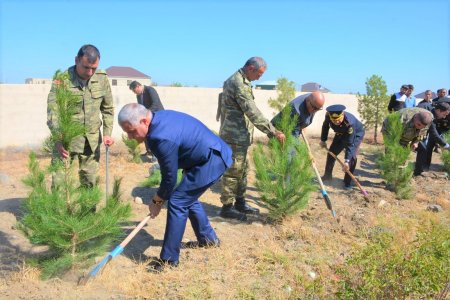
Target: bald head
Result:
[316, 101]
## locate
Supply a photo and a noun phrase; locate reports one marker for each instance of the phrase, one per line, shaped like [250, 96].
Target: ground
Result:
[256, 259]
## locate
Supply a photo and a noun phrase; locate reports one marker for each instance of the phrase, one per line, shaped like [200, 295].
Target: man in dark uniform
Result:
[439, 126]
[349, 133]
[305, 107]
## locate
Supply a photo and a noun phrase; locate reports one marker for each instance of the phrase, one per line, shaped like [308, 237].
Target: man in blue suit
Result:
[179, 141]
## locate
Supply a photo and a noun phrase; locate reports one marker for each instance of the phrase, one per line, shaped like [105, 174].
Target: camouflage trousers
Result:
[234, 180]
[88, 165]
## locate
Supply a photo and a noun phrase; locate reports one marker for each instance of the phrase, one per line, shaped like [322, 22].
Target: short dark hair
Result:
[425, 117]
[90, 51]
[134, 84]
[410, 86]
[442, 106]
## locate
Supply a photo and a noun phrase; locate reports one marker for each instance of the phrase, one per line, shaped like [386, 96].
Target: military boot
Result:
[243, 207]
[229, 212]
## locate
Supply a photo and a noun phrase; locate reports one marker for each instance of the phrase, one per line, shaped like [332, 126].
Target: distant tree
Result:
[286, 92]
[394, 165]
[372, 106]
[176, 84]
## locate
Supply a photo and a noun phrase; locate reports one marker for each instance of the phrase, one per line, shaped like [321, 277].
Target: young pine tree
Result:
[64, 216]
[393, 163]
[283, 172]
[373, 107]
[446, 154]
[133, 149]
[286, 92]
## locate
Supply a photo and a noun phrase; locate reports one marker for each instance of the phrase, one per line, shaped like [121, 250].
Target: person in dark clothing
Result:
[349, 133]
[147, 96]
[426, 103]
[397, 101]
[439, 126]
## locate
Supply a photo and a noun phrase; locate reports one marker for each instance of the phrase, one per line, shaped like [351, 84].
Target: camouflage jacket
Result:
[240, 113]
[93, 99]
[410, 133]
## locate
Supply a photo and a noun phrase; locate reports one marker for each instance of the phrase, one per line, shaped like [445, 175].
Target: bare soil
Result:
[255, 260]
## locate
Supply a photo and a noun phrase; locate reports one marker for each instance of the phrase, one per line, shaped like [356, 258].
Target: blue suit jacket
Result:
[180, 141]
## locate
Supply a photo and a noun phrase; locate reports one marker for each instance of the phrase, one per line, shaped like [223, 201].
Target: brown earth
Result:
[256, 260]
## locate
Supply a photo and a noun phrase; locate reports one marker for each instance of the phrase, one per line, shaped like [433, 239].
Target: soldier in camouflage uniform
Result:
[240, 115]
[91, 86]
[416, 122]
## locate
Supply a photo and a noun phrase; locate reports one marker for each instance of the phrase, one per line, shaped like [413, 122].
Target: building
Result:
[123, 76]
[38, 81]
[312, 87]
[267, 85]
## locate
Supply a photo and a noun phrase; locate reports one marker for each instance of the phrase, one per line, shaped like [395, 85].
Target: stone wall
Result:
[23, 109]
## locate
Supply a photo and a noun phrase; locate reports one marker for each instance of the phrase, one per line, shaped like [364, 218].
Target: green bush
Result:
[283, 172]
[389, 268]
[155, 178]
[133, 149]
[446, 154]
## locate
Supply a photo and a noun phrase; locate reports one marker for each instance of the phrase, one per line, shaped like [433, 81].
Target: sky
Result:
[338, 44]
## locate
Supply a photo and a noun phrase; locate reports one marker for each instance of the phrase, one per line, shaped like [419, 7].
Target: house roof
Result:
[125, 72]
[269, 82]
[313, 86]
[422, 95]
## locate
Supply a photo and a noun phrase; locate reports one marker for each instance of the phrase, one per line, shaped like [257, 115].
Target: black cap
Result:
[443, 99]
[335, 111]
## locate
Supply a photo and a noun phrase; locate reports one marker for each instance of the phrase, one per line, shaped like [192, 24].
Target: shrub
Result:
[133, 149]
[389, 268]
[393, 163]
[446, 154]
[283, 172]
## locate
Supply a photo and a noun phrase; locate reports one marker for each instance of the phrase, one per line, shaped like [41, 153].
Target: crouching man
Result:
[179, 141]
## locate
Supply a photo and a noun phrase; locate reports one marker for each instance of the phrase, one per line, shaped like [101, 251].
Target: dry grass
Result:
[293, 260]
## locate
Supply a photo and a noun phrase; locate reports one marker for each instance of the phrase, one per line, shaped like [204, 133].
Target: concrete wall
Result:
[23, 109]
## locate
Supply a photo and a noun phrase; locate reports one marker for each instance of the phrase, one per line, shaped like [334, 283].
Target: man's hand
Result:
[107, 140]
[323, 144]
[280, 137]
[61, 150]
[345, 167]
[415, 146]
[155, 206]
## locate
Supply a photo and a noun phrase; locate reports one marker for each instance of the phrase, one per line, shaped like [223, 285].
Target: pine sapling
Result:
[283, 172]
[394, 165]
[65, 216]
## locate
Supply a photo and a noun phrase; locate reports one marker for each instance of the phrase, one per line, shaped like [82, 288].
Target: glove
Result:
[447, 146]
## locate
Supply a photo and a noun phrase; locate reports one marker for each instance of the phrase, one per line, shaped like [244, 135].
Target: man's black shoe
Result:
[158, 265]
[228, 212]
[207, 244]
[326, 178]
[243, 207]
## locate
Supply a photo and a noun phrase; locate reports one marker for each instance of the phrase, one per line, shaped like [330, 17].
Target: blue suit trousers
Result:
[184, 204]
